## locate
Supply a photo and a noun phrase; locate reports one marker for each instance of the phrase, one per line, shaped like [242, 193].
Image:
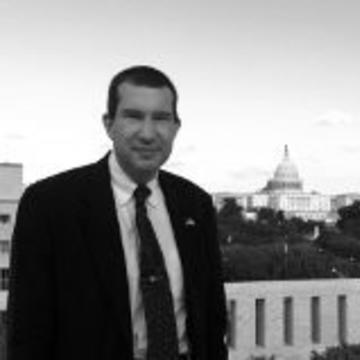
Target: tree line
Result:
[271, 247]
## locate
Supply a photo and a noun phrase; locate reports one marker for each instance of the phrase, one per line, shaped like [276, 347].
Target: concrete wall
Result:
[243, 297]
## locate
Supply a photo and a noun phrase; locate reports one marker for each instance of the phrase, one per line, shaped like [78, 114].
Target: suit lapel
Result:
[105, 243]
[178, 213]
[185, 231]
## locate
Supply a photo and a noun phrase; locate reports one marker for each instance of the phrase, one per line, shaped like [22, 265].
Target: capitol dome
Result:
[286, 176]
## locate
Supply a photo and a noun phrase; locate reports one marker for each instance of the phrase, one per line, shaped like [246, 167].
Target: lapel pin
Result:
[190, 222]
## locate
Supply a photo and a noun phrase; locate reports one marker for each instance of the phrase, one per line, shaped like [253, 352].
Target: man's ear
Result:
[178, 126]
[107, 122]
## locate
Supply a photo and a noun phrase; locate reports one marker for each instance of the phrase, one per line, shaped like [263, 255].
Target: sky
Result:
[252, 75]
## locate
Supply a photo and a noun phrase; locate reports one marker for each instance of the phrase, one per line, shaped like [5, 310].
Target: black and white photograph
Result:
[179, 180]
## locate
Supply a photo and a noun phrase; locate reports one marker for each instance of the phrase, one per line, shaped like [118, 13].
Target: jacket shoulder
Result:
[65, 184]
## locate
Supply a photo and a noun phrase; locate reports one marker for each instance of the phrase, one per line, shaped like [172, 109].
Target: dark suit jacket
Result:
[68, 286]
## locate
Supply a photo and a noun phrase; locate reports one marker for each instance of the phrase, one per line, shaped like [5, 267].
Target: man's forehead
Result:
[145, 98]
[129, 88]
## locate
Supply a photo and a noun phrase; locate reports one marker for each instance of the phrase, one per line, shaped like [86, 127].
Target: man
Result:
[118, 259]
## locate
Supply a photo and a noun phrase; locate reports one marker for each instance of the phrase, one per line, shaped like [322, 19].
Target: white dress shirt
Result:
[123, 188]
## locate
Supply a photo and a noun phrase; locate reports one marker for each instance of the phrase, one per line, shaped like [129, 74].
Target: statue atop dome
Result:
[286, 151]
[286, 177]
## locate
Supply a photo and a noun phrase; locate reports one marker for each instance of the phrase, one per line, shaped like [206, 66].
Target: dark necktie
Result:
[155, 287]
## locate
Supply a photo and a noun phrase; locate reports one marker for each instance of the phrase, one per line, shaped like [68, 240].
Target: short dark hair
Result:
[143, 76]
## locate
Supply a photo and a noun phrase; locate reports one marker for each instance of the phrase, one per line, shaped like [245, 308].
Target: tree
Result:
[244, 263]
[268, 227]
[230, 211]
[349, 221]
[344, 352]
[340, 244]
[229, 219]
[267, 216]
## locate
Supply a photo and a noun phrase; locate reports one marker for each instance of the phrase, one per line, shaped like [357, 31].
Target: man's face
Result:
[143, 129]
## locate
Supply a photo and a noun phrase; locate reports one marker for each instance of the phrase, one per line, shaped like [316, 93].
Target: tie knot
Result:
[141, 193]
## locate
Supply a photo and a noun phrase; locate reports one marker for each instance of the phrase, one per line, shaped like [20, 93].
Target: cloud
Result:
[352, 148]
[335, 118]
[13, 137]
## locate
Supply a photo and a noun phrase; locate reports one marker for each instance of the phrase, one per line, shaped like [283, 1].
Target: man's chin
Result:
[148, 167]
[149, 162]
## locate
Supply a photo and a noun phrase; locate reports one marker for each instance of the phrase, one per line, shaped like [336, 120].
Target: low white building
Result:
[342, 200]
[290, 319]
[11, 188]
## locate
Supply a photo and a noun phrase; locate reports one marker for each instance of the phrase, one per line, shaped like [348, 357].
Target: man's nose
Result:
[147, 130]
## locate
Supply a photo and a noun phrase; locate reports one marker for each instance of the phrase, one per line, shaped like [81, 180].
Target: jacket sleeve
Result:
[216, 298]
[31, 309]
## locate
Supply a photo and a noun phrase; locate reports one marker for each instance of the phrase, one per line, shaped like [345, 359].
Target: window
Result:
[315, 320]
[288, 319]
[4, 246]
[4, 218]
[231, 330]
[260, 322]
[342, 320]
[4, 279]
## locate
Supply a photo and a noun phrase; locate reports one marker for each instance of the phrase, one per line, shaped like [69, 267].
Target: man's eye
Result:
[133, 115]
[162, 117]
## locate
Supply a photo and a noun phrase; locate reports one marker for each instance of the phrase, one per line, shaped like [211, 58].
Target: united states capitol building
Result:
[284, 192]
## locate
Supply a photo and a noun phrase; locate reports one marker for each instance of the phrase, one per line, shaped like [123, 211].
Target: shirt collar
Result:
[125, 186]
